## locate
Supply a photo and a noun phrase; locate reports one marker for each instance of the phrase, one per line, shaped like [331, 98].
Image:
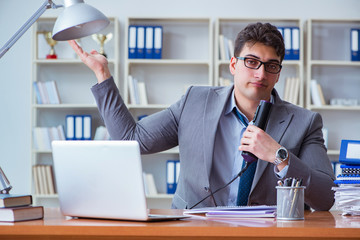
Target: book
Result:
[222, 47]
[52, 92]
[101, 133]
[44, 180]
[132, 96]
[37, 93]
[321, 94]
[315, 95]
[296, 87]
[231, 48]
[149, 183]
[50, 179]
[142, 93]
[227, 51]
[15, 214]
[36, 179]
[287, 88]
[291, 90]
[14, 200]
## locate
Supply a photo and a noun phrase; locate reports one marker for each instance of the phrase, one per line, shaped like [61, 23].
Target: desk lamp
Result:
[76, 21]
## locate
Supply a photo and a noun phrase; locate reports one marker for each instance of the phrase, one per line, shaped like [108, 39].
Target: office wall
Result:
[15, 66]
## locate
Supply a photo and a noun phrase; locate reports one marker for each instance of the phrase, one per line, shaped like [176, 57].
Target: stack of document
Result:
[347, 195]
[347, 199]
[235, 212]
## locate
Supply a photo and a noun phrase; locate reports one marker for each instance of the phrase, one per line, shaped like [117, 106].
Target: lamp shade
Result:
[78, 20]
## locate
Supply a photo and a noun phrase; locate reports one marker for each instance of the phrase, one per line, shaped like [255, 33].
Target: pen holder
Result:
[290, 203]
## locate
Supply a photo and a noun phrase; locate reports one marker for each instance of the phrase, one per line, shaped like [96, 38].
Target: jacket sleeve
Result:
[313, 166]
[155, 133]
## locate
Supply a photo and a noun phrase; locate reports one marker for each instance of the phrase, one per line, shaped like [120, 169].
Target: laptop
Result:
[102, 179]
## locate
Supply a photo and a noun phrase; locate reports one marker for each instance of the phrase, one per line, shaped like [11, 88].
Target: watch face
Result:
[282, 153]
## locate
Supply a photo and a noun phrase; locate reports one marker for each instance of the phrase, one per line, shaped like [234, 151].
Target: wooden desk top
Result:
[317, 225]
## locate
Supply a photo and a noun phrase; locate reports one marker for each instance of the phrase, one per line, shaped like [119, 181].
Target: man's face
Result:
[254, 84]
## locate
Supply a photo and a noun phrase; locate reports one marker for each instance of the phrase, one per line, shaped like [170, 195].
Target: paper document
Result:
[236, 211]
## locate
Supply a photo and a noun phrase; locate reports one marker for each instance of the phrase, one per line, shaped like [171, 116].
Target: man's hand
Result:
[261, 144]
[95, 61]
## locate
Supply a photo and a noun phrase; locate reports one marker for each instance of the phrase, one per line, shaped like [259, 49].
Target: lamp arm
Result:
[46, 5]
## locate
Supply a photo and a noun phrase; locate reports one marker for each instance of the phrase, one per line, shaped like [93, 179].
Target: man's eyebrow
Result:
[254, 56]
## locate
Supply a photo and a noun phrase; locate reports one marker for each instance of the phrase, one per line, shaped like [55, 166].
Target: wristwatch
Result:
[281, 155]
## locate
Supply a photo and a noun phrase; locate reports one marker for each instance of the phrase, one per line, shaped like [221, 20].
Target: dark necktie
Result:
[247, 178]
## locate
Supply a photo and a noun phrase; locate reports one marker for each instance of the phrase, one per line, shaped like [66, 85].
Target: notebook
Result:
[101, 179]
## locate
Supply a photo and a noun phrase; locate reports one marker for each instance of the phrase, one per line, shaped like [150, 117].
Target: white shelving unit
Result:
[73, 80]
[329, 62]
[230, 27]
[187, 59]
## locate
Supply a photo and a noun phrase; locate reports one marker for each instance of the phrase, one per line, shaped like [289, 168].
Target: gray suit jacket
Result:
[192, 123]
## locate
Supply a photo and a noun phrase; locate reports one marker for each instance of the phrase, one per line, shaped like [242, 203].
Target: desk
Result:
[317, 225]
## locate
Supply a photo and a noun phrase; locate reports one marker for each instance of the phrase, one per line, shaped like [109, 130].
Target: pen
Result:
[287, 182]
[295, 198]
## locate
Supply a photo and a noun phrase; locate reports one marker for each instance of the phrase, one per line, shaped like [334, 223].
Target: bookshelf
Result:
[73, 80]
[230, 27]
[329, 62]
[187, 59]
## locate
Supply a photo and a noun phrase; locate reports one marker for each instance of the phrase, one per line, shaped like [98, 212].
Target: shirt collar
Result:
[230, 105]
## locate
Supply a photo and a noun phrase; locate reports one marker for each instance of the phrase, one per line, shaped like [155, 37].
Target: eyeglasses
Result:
[253, 63]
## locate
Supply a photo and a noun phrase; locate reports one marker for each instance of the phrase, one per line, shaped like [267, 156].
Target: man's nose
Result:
[260, 72]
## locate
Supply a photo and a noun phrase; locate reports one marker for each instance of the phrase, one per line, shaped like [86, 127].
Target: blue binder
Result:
[78, 127]
[149, 41]
[158, 42]
[86, 124]
[355, 44]
[350, 157]
[295, 43]
[140, 42]
[172, 175]
[70, 127]
[288, 42]
[132, 42]
[349, 152]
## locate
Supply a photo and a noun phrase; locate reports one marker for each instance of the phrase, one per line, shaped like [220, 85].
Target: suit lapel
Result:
[214, 107]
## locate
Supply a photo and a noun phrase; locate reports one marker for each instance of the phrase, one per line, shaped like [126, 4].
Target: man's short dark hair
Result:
[264, 33]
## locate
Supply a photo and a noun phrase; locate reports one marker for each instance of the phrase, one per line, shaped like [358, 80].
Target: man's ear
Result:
[232, 64]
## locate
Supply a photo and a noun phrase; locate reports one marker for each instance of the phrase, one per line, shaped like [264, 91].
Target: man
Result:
[210, 125]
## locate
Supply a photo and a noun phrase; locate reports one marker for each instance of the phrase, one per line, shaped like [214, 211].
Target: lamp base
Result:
[51, 56]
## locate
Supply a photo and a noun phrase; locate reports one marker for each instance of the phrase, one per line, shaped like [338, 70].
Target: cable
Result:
[247, 164]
